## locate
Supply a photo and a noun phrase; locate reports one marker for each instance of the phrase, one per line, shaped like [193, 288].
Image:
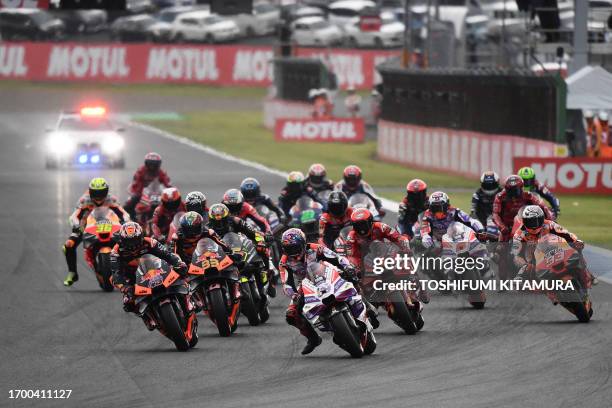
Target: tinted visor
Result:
[220, 226]
[529, 183]
[489, 185]
[172, 205]
[352, 180]
[293, 249]
[152, 165]
[98, 194]
[515, 191]
[337, 208]
[362, 227]
[132, 244]
[316, 180]
[234, 208]
[192, 231]
[249, 193]
[437, 208]
[294, 188]
[416, 198]
[534, 222]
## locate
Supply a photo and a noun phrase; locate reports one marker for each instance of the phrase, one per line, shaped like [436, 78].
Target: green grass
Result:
[209, 92]
[242, 134]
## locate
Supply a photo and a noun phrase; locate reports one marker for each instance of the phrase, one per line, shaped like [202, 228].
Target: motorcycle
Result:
[460, 241]
[149, 200]
[403, 306]
[162, 297]
[277, 231]
[98, 243]
[214, 285]
[555, 259]
[174, 226]
[305, 215]
[340, 245]
[323, 196]
[360, 200]
[253, 278]
[332, 304]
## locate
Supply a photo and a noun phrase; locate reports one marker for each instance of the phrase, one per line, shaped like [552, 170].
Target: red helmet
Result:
[171, 198]
[152, 161]
[362, 221]
[514, 186]
[352, 176]
[416, 191]
[316, 174]
[131, 236]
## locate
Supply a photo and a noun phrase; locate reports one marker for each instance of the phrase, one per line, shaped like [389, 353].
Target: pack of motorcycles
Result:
[224, 289]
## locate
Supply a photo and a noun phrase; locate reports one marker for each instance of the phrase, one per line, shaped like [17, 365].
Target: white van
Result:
[345, 12]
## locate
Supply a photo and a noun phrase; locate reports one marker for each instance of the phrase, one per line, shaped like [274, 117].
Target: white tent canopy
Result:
[590, 88]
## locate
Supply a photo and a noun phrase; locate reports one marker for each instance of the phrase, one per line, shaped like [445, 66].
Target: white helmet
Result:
[603, 116]
[588, 114]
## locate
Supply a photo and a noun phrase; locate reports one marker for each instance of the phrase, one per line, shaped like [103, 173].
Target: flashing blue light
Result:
[95, 159]
[82, 158]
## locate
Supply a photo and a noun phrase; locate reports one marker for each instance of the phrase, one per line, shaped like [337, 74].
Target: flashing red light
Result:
[96, 111]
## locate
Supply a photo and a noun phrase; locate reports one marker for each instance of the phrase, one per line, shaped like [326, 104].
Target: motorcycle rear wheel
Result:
[172, 327]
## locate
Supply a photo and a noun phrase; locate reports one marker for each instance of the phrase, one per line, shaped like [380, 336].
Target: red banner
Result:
[572, 175]
[343, 130]
[229, 65]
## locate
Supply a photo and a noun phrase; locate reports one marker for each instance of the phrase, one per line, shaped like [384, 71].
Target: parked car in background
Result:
[263, 21]
[82, 21]
[132, 7]
[294, 11]
[133, 28]
[162, 29]
[30, 24]
[202, 26]
[345, 12]
[390, 34]
[316, 31]
[160, 4]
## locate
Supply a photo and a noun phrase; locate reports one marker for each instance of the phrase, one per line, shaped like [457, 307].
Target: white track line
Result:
[387, 204]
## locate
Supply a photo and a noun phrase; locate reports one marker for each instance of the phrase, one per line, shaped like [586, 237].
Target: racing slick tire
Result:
[172, 327]
[345, 336]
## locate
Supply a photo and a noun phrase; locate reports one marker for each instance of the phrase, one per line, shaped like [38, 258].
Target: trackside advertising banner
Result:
[141, 63]
[460, 152]
[581, 175]
[44, 4]
[344, 130]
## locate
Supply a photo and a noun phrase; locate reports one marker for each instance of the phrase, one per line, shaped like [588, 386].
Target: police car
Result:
[85, 137]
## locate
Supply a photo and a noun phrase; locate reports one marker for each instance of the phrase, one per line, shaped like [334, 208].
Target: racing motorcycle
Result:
[162, 297]
[253, 278]
[214, 285]
[98, 243]
[403, 306]
[340, 245]
[555, 259]
[460, 241]
[275, 226]
[149, 200]
[360, 200]
[174, 226]
[332, 304]
[305, 215]
[323, 197]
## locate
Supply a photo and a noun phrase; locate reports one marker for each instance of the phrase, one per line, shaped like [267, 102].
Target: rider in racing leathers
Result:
[317, 178]
[151, 170]
[196, 201]
[532, 184]
[192, 229]
[337, 217]
[237, 207]
[352, 183]
[251, 191]
[125, 257]
[296, 187]
[482, 199]
[411, 206]
[509, 201]
[97, 196]
[297, 254]
[171, 204]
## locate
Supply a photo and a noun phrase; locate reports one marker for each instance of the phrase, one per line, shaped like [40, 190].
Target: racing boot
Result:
[312, 343]
[69, 250]
[71, 278]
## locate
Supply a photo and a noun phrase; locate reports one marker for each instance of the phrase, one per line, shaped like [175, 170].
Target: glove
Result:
[269, 238]
[382, 212]
[427, 241]
[235, 257]
[181, 268]
[482, 236]
[76, 229]
[289, 291]
[578, 245]
[524, 272]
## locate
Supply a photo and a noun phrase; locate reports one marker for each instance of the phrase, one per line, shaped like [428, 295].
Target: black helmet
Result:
[234, 200]
[489, 182]
[218, 218]
[250, 188]
[195, 201]
[337, 203]
[190, 224]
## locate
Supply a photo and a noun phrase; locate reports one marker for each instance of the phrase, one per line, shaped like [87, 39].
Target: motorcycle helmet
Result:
[218, 218]
[362, 221]
[528, 175]
[533, 218]
[514, 186]
[234, 200]
[438, 204]
[352, 176]
[98, 190]
[317, 174]
[293, 242]
[190, 224]
[489, 182]
[416, 191]
[171, 198]
[602, 116]
[337, 203]
[295, 182]
[196, 201]
[152, 162]
[250, 189]
[131, 236]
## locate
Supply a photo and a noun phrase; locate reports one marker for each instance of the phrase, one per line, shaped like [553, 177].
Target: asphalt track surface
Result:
[519, 352]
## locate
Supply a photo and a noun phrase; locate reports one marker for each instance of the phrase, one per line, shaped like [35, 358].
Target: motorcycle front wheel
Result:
[172, 327]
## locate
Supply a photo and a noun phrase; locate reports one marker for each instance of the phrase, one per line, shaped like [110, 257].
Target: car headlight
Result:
[112, 144]
[60, 143]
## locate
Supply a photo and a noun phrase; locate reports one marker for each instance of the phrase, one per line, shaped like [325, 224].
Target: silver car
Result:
[203, 26]
[263, 21]
[316, 31]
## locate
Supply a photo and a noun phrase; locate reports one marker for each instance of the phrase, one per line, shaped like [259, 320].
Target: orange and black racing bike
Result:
[162, 296]
[98, 243]
[215, 285]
